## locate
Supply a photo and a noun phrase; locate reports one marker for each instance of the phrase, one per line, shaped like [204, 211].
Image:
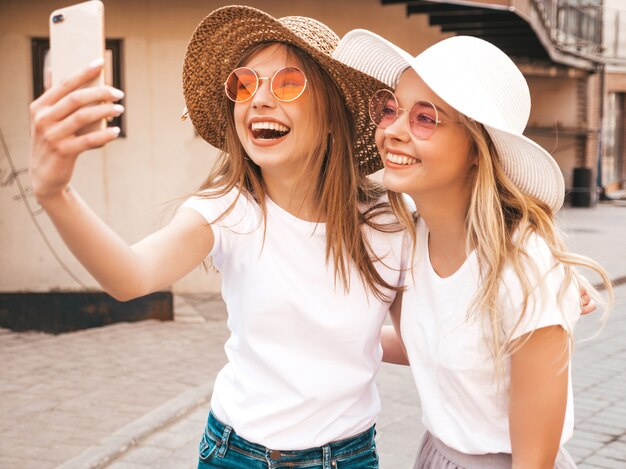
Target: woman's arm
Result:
[123, 271]
[391, 340]
[538, 397]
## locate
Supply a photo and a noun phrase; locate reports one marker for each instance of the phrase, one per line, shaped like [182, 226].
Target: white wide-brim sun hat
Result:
[481, 82]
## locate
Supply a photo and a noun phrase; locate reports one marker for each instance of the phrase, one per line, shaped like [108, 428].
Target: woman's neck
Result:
[445, 216]
[294, 196]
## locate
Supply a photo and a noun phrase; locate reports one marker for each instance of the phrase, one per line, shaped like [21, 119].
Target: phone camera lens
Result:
[57, 19]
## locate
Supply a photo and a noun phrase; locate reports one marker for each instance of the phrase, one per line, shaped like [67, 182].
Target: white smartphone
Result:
[76, 40]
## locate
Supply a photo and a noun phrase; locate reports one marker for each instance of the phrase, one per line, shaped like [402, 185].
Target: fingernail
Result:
[114, 130]
[97, 63]
[117, 94]
[118, 108]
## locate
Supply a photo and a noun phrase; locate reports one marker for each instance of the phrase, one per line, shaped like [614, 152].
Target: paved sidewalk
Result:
[599, 233]
[91, 394]
[136, 395]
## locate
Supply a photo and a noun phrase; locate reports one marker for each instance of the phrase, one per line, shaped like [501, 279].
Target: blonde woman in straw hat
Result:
[310, 254]
[488, 315]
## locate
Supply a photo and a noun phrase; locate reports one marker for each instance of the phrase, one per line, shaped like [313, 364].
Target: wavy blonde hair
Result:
[499, 221]
[334, 182]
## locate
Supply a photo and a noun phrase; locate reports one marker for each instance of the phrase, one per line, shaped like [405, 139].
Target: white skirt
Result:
[434, 454]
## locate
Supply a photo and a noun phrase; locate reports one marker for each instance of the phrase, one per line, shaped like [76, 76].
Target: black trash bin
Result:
[582, 188]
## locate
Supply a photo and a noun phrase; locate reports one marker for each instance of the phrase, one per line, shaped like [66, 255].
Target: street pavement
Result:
[136, 395]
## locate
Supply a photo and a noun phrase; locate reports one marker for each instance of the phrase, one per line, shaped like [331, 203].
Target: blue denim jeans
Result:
[222, 447]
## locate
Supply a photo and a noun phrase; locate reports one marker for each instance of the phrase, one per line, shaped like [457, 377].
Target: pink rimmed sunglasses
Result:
[423, 115]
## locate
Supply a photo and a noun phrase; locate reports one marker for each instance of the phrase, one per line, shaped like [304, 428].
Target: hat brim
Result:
[531, 168]
[216, 48]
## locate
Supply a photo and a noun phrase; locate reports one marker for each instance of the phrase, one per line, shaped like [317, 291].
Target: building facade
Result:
[136, 182]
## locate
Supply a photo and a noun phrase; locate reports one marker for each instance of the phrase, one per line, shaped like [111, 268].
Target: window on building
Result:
[112, 71]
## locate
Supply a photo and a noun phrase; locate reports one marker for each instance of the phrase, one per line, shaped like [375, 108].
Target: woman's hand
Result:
[587, 305]
[55, 119]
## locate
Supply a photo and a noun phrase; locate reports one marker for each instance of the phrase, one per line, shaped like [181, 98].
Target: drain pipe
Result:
[599, 187]
[602, 67]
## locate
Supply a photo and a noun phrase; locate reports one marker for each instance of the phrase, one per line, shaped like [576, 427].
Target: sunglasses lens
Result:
[423, 118]
[383, 108]
[241, 84]
[288, 84]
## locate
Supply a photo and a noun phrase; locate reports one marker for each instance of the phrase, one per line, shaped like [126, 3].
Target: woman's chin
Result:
[397, 183]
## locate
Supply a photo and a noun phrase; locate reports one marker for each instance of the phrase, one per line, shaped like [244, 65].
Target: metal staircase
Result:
[569, 32]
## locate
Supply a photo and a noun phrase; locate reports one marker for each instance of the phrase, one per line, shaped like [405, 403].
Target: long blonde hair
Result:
[499, 221]
[499, 210]
[338, 187]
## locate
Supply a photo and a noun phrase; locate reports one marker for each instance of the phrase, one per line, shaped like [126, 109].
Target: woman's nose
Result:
[399, 129]
[263, 96]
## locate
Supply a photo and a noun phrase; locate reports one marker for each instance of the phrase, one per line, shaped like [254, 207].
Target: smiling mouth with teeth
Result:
[401, 159]
[268, 130]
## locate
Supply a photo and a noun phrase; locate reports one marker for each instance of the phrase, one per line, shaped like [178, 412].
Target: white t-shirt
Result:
[303, 354]
[450, 357]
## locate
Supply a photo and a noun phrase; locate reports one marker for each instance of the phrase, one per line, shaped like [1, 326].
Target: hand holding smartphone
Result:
[76, 41]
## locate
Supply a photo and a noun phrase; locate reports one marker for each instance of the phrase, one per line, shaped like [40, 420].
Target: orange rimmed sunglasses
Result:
[423, 115]
[287, 84]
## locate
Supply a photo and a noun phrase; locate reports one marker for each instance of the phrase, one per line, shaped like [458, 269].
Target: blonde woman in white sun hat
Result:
[491, 302]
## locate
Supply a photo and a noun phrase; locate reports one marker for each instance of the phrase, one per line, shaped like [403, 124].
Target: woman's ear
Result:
[474, 159]
[472, 154]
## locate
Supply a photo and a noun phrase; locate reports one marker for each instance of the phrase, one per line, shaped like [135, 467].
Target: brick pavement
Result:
[599, 379]
[599, 233]
[135, 395]
[67, 394]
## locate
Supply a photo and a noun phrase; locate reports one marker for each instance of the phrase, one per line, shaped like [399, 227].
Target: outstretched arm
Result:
[123, 271]
[538, 397]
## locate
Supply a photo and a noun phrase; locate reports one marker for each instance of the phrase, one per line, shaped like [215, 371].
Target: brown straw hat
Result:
[217, 46]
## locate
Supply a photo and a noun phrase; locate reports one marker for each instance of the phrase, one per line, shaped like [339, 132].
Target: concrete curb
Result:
[616, 282]
[125, 438]
[619, 281]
